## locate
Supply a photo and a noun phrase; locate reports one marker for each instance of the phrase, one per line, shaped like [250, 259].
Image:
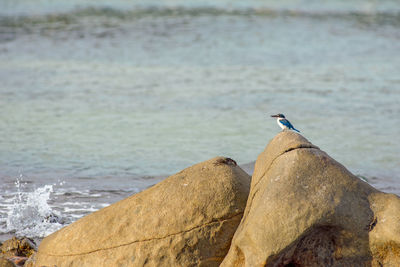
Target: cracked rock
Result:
[186, 220]
[306, 209]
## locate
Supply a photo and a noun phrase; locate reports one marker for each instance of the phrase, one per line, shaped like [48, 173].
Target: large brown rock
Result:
[186, 220]
[306, 209]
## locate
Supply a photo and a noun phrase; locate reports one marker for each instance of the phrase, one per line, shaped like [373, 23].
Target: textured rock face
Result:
[5, 263]
[385, 236]
[15, 252]
[305, 209]
[186, 220]
[10, 247]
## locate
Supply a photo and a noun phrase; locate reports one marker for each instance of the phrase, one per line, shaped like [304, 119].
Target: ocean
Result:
[101, 100]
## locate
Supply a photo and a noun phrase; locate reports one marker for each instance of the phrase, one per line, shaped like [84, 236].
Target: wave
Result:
[30, 214]
[79, 15]
[37, 212]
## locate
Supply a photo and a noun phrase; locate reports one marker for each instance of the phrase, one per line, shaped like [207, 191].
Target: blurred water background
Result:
[101, 99]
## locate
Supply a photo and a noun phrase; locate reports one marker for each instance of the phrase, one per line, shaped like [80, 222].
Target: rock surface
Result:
[10, 247]
[186, 220]
[18, 247]
[5, 263]
[16, 251]
[306, 209]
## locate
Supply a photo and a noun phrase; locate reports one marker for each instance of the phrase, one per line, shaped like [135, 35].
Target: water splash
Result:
[31, 215]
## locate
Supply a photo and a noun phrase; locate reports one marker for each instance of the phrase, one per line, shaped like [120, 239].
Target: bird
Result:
[283, 122]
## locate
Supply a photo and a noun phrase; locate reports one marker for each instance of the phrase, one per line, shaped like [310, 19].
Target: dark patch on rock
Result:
[227, 161]
[372, 224]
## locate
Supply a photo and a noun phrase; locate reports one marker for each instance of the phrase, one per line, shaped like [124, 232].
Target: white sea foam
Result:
[74, 203]
[86, 210]
[31, 215]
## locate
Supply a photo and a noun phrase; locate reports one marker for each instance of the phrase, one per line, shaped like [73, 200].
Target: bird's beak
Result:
[274, 116]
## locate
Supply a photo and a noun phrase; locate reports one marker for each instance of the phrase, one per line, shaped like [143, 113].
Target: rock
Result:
[27, 247]
[30, 262]
[10, 247]
[5, 263]
[16, 251]
[186, 220]
[306, 209]
[18, 261]
[384, 236]
[18, 247]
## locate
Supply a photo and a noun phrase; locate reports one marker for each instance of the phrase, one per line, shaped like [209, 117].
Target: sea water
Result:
[101, 100]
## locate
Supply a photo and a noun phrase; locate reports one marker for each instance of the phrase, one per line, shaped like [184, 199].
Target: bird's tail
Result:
[295, 129]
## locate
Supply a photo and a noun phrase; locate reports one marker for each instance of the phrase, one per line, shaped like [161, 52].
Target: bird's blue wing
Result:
[286, 123]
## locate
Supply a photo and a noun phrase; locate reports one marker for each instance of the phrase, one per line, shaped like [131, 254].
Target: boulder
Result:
[306, 209]
[18, 247]
[186, 220]
[10, 247]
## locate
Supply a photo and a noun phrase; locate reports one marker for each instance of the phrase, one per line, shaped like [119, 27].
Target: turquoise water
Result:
[97, 99]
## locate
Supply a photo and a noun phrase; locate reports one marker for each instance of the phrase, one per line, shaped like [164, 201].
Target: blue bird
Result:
[284, 123]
